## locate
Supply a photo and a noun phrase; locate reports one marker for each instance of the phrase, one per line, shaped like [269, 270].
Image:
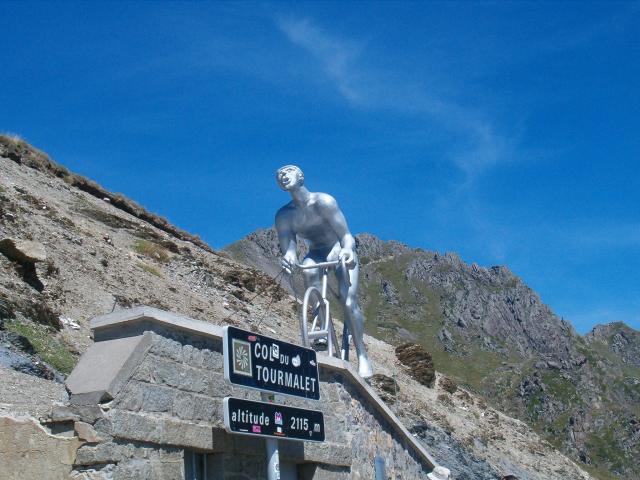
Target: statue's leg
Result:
[333, 255]
[312, 275]
[312, 278]
[354, 317]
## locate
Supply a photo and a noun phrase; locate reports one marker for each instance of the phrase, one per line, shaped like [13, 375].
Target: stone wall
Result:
[126, 459]
[28, 450]
[171, 403]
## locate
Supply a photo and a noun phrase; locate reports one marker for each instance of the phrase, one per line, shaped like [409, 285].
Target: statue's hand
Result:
[288, 262]
[348, 256]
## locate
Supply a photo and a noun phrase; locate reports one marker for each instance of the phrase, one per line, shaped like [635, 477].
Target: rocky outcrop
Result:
[26, 254]
[492, 303]
[386, 387]
[418, 361]
[23, 251]
[448, 385]
[619, 339]
[463, 466]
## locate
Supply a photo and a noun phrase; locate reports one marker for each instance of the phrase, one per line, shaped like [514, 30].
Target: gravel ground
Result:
[23, 394]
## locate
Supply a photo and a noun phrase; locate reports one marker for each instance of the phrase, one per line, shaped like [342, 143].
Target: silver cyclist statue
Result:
[316, 218]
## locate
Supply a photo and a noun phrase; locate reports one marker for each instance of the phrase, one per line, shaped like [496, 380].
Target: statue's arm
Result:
[331, 211]
[286, 237]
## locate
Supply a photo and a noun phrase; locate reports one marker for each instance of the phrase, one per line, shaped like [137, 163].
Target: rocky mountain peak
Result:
[370, 248]
[619, 339]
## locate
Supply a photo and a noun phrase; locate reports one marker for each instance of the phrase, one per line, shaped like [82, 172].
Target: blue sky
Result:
[506, 132]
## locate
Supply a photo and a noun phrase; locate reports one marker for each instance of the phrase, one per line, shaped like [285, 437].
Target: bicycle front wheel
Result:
[316, 326]
[314, 315]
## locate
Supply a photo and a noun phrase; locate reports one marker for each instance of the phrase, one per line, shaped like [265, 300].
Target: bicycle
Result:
[320, 326]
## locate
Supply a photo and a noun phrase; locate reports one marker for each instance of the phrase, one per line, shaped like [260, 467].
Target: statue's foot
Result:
[365, 370]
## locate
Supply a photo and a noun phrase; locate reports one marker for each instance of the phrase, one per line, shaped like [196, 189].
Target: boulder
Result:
[448, 385]
[23, 251]
[419, 361]
[439, 473]
[386, 387]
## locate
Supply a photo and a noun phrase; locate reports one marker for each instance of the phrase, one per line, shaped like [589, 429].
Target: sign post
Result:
[273, 455]
[270, 365]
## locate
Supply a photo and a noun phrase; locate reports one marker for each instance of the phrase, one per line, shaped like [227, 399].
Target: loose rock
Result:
[386, 387]
[23, 251]
[448, 385]
[419, 361]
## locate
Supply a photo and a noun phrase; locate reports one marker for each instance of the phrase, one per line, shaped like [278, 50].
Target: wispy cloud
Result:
[603, 235]
[336, 56]
[479, 144]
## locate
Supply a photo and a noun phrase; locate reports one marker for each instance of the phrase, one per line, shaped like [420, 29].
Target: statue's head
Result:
[290, 177]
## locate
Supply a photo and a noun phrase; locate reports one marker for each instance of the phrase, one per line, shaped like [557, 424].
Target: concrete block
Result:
[111, 323]
[100, 472]
[105, 368]
[163, 431]
[144, 372]
[86, 432]
[167, 348]
[197, 408]
[99, 454]
[156, 398]
[173, 374]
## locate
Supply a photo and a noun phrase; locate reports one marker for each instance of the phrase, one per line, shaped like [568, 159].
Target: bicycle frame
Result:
[327, 327]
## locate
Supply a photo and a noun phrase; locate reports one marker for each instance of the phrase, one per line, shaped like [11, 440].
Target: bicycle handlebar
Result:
[332, 263]
[319, 265]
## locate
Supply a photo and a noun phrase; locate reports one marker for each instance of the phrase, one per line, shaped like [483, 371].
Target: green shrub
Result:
[152, 250]
[149, 269]
[45, 343]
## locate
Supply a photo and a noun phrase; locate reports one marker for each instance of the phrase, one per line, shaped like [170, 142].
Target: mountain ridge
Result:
[374, 247]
